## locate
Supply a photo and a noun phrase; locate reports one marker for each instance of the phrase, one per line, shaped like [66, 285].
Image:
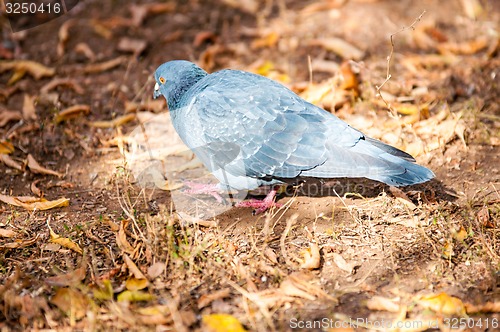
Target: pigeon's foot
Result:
[204, 189]
[261, 205]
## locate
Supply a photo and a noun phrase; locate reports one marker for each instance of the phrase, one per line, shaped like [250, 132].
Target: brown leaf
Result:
[249, 6]
[85, 49]
[6, 116]
[155, 106]
[132, 267]
[7, 160]
[482, 308]
[121, 238]
[206, 299]
[342, 263]
[71, 83]
[64, 36]
[136, 46]
[72, 112]
[156, 270]
[204, 36]
[20, 243]
[21, 67]
[104, 66]
[73, 278]
[35, 190]
[29, 112]
[340, 47]
[72, 302]
[35, 167]
[382, 304]
[7, 233]
[483, 217]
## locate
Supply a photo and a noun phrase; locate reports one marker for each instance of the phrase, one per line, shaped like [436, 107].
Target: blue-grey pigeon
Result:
[250, 131]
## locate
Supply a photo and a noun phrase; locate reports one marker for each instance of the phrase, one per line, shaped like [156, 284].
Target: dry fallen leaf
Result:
[34, 203]
[73, 278]
[134, 296]
[136, 46]
[269, 40]
[312, 257]
[8, 161]
[71, 113]
[29, 112]
[21, 67]
[119, 121]
[221, 323]
[6, 147]
[206, 299]
[134, 284]
[156, 270]
[64, 36]
[35, 167]
[7, 233]
[6, 116]
[382, 304]
[443, 303]
[133, 268]
[72, 302]
[340, 47]
[71, 83]
[121, 239]
[20, 243]
[63, 241]
[104, 66]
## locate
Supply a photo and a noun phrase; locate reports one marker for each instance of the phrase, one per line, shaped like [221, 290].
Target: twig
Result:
[389, 58]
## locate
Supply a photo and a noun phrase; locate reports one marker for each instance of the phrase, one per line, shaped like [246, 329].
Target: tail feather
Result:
[374, 160]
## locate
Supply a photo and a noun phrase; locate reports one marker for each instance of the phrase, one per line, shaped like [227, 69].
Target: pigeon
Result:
[250, 131]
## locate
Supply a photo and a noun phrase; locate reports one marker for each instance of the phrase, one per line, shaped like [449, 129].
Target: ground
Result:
[99, 245]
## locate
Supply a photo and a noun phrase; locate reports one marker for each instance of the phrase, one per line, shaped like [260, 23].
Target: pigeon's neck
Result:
[175, 97]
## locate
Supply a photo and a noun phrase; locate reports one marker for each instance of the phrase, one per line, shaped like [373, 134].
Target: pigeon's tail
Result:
[399, 160]
[374, 160]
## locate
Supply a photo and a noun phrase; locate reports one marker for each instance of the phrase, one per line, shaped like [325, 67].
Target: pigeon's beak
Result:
[157, 92]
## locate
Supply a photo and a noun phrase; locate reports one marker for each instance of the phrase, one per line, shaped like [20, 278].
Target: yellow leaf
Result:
[35, 167]
[63, 241]
[6, 147]
[134, 284]
[461, 235]
[222, 323]
[134, 296]
[269, 40]
[443, 303]
[105, 292]
[72, 302]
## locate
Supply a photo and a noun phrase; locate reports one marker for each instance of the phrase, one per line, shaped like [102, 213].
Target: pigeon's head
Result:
[174, 78]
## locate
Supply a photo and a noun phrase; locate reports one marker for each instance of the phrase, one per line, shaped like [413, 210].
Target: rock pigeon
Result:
[250, 131]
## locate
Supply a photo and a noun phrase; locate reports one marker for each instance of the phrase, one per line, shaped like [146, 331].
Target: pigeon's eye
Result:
[162, 80]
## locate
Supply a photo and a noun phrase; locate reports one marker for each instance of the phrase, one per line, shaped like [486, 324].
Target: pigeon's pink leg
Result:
[204, 189]
[261, 205]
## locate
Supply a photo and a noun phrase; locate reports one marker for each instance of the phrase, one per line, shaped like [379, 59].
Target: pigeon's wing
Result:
[275, 132]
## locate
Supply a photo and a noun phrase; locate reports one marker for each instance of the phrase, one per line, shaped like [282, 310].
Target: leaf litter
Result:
[237, 270]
